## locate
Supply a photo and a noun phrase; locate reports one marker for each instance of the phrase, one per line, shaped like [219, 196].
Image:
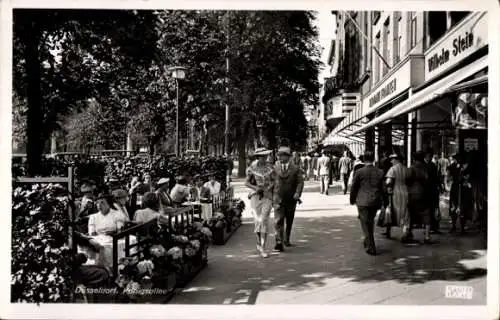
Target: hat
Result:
[395, 156]
[104, 195]
[86, 188]
[284, 151]
[261, 152]
[119, 193]
[163, 181]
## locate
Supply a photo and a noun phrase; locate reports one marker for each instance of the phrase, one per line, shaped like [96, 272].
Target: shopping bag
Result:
[349, 181]
[379, 218]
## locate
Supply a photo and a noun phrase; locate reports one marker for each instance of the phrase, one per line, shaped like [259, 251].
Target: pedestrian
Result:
[315, 165]
[335, 167]
[323, 171]
[261, 178]
[418, 197]
[366, 193]
[443, 164]
[397, 194]
[309, 167]
[305, 165]
[433, 186]
[345, 168]
[385, 163]
[289, 186]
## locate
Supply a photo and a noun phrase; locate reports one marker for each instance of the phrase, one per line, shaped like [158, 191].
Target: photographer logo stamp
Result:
[459, 292]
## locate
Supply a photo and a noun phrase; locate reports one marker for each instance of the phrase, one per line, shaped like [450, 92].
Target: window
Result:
[375, 17]
[385, 43]
[398, 51]
[437, 22]
[365, 42]
[457, 16]
[413, 29]
[377, 59]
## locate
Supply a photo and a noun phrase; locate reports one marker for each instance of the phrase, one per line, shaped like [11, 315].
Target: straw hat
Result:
[119, 194]
[163, 181]
[261, 152]
[284, 151]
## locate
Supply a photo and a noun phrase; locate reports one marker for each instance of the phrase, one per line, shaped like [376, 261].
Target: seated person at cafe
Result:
[86, 206]
[150, 211]
[121, 203]
[162, 192]
[90, 275]
[200, 192]
[180, 192]
[213, 185]
[107, 221]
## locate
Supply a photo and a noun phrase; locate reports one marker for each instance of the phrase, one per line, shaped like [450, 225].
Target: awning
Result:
[482, 80]
[429, 93]
[338, 139]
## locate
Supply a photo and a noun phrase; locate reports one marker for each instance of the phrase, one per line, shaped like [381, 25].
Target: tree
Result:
[62, 57]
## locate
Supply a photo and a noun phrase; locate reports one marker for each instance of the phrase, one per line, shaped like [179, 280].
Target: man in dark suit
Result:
[433, 191]
[289, 187]
[366, 193]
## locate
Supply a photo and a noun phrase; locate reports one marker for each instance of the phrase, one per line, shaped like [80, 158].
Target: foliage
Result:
[41, 261]
[64, 57]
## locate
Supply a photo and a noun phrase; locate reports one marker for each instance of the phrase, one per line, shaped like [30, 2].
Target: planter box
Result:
[221, 236]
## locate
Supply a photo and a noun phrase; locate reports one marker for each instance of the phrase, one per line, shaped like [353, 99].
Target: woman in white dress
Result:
[261, 178]
[108, 220]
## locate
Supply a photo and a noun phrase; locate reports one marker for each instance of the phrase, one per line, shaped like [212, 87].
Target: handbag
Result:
[384, 216]
[349, 181]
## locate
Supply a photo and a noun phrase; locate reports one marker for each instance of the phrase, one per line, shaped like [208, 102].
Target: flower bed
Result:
[226, 221]
[41, 260]
[171, 261]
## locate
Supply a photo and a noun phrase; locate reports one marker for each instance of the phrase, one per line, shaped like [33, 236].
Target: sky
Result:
[326, 24]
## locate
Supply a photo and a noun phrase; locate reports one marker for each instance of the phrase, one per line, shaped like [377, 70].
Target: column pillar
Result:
[370, 139]
[130, 144]
[53, 143]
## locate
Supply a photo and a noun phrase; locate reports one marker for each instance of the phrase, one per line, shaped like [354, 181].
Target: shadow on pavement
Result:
[328, 249]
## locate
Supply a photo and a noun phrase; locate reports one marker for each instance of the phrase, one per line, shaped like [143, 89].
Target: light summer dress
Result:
[264, 177]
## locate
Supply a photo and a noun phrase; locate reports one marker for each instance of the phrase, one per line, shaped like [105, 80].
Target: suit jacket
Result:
[367, 187]
[432, 178]
[288, 183]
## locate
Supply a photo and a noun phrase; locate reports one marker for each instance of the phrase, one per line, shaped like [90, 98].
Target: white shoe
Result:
[264, 254]
[259, 248]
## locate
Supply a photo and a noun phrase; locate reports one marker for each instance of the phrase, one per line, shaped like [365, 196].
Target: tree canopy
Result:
[119, 59]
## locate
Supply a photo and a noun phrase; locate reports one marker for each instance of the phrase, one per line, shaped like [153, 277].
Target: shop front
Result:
[448, 112]
[387, 94]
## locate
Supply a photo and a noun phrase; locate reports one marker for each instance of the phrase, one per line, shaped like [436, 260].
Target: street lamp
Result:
[178, 73]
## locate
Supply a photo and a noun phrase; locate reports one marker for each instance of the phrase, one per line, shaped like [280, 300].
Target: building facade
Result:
[421, 78]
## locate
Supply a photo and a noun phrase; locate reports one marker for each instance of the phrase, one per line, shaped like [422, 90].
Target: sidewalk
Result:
[329, 266]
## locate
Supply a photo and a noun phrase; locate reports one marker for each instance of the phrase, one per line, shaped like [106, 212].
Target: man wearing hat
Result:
[289, 187]
[86, 205]
[162, 191]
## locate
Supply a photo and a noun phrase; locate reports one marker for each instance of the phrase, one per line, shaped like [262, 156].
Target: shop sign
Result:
[398, 82]
[468, 37]
[334, 109]
[471, 144]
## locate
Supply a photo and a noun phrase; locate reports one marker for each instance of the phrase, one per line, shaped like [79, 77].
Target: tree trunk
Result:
[35, 138]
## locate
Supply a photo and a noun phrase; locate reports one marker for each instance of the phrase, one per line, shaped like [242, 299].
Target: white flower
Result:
[206, 231]
[145, 266]
[157, 250]
[196, 244]
[175, 253]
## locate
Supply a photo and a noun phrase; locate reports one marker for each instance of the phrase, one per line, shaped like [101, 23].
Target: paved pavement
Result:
[329, 266]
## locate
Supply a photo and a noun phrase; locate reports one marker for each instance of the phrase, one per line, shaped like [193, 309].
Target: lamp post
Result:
[178, 73]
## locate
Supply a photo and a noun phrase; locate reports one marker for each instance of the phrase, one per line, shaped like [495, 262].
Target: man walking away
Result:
[335, 167]
[289, 187]
[323, 171]
[443, 164]
[345, 168]
[432, 188]
[366, 194]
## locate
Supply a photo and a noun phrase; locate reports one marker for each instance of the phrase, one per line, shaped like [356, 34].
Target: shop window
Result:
[437, 25]
[413, 29]
[457, 16]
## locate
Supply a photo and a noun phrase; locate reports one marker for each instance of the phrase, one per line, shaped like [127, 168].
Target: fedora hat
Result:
[284, 151]
[86, 188]
[262, 152]
[163, 181]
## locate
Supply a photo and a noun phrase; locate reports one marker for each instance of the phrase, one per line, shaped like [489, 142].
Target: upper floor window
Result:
[377, 59]
[413, 29]
[385, 52]
[457, 16]
[438, 25]
[375, 16]
[398, 31]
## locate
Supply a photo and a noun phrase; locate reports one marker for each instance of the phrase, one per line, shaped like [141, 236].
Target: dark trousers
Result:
[345, 178]
[433, 209]
[285, 213]
[366, 217]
